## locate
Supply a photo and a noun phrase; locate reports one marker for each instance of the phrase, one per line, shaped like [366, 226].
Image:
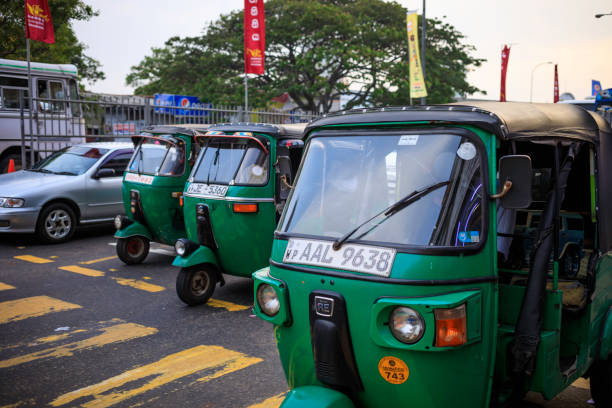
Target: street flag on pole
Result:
[254, 36]
[556, 86]
[505, 56]
[417, 84]
[38, 24]
[595, 87]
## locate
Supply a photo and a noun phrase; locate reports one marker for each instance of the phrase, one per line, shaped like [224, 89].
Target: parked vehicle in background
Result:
[153, 189]
[55, 121]
[77, 185]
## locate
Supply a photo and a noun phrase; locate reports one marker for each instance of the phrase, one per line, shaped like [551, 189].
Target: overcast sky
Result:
[562, 31]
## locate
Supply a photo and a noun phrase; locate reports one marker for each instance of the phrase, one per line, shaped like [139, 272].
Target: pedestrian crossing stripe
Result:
[216, 360]
[82, 271]
[20, 309]
[113, 334]
[272, 402]
[33, 259]
[5, 286]
[142, 285]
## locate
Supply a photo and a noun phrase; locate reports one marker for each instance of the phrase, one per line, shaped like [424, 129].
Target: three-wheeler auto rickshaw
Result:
[152, 189]
[394, 279]
[232, 202]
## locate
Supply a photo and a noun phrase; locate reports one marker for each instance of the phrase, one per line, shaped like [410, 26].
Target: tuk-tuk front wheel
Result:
[196, 284]
[132, 250]
[601, 383]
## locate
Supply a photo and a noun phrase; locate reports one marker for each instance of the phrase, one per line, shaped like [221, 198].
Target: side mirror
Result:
[102, 173]
[283, 176]
[515, 175]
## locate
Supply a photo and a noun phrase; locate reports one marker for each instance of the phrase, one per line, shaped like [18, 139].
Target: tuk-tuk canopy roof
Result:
[187, 129]
[293, 131]
[507, 120]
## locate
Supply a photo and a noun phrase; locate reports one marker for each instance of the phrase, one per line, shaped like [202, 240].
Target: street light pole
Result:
[423, 31]
[532, 71]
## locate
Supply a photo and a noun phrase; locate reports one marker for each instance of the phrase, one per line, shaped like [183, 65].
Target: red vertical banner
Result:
[504, 68]
[556, 86]
[38, 22]
[254, 36]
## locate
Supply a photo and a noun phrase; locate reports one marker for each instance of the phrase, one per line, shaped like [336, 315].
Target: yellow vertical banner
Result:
[417, 84]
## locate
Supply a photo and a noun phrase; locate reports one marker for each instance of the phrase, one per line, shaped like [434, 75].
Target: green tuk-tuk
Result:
[232, 202]
[403, 274]
[152, 189]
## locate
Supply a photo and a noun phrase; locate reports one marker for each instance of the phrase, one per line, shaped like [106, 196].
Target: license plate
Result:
[139, 178]
[207, 189]
[351, 257]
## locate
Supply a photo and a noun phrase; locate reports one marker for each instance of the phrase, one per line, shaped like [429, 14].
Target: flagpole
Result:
[246, 97]
[31, 105]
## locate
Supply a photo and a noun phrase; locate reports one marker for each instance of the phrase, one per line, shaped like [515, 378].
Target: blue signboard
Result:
[181, 105]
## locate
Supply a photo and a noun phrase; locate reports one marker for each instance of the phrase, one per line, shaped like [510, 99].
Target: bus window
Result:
[50, 90]
[74, 95]
[10, 87]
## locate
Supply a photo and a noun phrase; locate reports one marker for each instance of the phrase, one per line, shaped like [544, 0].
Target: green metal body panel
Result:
[453, 376]
[202, 255]
[244, 240]
[163, 213]
[132, 230]
[312, 396]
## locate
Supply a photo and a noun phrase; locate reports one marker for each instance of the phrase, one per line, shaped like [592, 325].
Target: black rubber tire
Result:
[196, 284]
[133, 250]
[56, 223]
[601, 383]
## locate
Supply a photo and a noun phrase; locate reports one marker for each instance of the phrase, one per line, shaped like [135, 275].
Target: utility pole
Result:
[423, 100]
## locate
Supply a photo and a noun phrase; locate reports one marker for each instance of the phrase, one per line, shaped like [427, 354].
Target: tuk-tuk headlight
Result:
[406, 324]
[180, 247]
[267, 299]
[118, 222]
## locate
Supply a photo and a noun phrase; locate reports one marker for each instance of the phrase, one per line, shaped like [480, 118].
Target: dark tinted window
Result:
[118, 163]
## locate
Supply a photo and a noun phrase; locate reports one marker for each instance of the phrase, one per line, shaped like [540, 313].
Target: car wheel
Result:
[132, 250]
[56, 223]
[601, 383]
[195, 285]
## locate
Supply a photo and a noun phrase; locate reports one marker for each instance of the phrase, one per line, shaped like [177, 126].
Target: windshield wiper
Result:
[391, 210]
[64, 173]
[214, 163]
[40, 170]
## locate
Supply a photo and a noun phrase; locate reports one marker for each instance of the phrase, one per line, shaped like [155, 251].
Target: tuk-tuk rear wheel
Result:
[132, 250]
[601, 383]
[196, 284]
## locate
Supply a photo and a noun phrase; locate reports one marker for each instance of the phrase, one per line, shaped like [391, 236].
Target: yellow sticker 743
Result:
[393, 370]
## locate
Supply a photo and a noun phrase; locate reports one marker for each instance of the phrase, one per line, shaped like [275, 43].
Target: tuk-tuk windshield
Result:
[240, 160]
[344, 181]
[154, 155]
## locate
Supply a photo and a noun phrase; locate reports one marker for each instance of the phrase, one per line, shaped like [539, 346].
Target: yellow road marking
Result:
[56, 337]
[112, 270]
[53, 257]
[33, 259]
[108, 258]
[82, 271]
[149, 287]
[146, 277]
[20, 247]
[232, 307]
[29, 403]
[6, 286]
[134, 382]
[272, 402]
[20, 309]
[112, 334]
[582, 383]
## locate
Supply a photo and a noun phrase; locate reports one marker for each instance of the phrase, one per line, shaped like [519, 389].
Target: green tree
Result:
[66, 50]
[316, 51]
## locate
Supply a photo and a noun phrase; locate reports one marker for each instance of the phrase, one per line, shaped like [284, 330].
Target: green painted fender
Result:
[314, 396]
[201, 255]
[133, 229]
[606, 337]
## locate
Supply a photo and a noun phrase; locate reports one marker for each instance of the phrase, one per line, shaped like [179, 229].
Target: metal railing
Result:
[57, 123]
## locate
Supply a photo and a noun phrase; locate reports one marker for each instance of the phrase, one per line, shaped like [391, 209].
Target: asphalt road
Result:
[80, 328]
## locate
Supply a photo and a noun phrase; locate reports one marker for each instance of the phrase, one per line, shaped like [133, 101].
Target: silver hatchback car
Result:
[80, 184]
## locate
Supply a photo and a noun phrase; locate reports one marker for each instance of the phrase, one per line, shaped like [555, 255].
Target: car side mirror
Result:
[102, 173]
[515, 176]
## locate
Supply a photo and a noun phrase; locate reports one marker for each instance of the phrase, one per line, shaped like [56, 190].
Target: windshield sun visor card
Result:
[469, 237]
[408, 140]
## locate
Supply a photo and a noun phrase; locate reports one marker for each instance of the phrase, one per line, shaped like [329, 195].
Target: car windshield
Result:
[346, 180]
[240, 160]
[158, 156]
[71, 161]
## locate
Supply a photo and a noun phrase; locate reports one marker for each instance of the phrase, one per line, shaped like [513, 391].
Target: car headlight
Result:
[406, 324]
[180, 247]
[267, 299]
[8, 202]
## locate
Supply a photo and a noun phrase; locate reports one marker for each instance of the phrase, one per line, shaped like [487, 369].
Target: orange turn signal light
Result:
[245, 208]
[451, 327]
[181, 201]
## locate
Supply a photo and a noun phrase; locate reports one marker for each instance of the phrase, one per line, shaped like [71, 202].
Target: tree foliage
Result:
[315, 51]
[66, 50]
